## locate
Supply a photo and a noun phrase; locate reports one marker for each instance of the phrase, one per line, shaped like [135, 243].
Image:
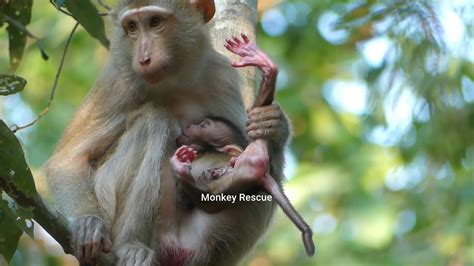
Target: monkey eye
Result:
[132, 26]
[205, 123]
[155, 21]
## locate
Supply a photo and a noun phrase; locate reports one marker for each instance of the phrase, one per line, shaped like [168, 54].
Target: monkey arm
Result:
[85, 142]
[93, 131]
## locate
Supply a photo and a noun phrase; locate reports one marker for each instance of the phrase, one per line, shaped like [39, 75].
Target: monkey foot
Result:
[252, 164]
[250, 54]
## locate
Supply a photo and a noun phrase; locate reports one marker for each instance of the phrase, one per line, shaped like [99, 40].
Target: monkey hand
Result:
[268, 123]
[250, 54]
[90, 237]
[181, 162]
[135, 254]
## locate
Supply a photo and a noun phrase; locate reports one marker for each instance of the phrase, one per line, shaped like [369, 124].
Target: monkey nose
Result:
[144, 61]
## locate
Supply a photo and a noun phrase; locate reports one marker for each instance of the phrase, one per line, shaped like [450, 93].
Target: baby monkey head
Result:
[213, 133]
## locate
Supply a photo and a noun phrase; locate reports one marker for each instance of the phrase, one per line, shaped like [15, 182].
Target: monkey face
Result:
[207, 133]
[147, 29]
[155, 35]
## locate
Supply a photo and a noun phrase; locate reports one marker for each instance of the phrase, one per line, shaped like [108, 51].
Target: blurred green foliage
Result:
[381, 98]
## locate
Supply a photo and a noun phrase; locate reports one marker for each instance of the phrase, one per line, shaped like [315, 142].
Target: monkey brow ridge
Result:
[157, 9]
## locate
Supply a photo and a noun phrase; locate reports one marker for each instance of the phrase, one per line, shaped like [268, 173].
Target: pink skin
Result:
[181, 162]
[252, 164]
[251, 55]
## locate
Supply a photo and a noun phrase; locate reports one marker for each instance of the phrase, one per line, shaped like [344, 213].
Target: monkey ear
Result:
[231, 150]
[207, 8]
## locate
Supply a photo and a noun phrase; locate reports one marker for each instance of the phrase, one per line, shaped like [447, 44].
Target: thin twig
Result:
[15, 128]
[19, 26]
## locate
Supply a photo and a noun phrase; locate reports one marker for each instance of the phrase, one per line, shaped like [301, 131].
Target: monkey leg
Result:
[90, 237]
[249, 169]
[266, 120]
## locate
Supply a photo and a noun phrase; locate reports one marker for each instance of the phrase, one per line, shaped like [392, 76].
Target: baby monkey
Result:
[211, 138]
[246, 162]
[201, 145]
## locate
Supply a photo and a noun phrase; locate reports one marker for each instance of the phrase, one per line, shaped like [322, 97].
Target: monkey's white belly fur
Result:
[137, 177]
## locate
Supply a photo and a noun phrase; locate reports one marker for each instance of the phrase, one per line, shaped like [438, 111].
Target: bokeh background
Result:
[381, 99]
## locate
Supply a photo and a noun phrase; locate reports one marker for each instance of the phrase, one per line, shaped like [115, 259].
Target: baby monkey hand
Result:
[181, 162]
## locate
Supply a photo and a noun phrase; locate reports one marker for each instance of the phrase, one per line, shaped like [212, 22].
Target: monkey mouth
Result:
[183, 139]
[151, 77]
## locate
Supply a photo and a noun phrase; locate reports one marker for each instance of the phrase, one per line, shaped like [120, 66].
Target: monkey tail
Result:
[276, 191]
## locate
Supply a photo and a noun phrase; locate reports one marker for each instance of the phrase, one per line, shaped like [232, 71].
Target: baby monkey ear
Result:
[231, 150]
[207, 8]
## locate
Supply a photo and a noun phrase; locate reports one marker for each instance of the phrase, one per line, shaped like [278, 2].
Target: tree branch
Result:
[233, 18]
[15, 128]
[52, 221]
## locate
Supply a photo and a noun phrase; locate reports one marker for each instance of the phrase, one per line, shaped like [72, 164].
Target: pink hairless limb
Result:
[251, 166]
[251, 55]
[253, 162]
[181, 162]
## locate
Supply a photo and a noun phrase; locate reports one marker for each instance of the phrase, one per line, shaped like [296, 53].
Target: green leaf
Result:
[88, 16]
[11, 84]
[9, 236]
[22, 217]
[20, 11]
[13, 166]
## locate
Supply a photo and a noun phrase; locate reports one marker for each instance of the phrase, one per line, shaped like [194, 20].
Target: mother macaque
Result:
[110, 174]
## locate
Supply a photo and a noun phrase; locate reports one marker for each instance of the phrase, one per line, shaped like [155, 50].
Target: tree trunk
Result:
[232, 18]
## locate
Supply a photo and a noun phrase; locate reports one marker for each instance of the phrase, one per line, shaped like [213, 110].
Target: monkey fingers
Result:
[182, 169]
[90, 237]
[268, 123]
[260, 113]
[136, 255]
[263, 133]
[186, 154]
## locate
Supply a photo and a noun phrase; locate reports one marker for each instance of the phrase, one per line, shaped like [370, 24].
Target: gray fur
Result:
[113, 160]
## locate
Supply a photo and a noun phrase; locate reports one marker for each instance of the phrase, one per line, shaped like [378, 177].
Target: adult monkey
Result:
[110, 174]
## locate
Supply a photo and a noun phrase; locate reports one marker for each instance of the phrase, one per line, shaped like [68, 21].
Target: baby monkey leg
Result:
[253, 162]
